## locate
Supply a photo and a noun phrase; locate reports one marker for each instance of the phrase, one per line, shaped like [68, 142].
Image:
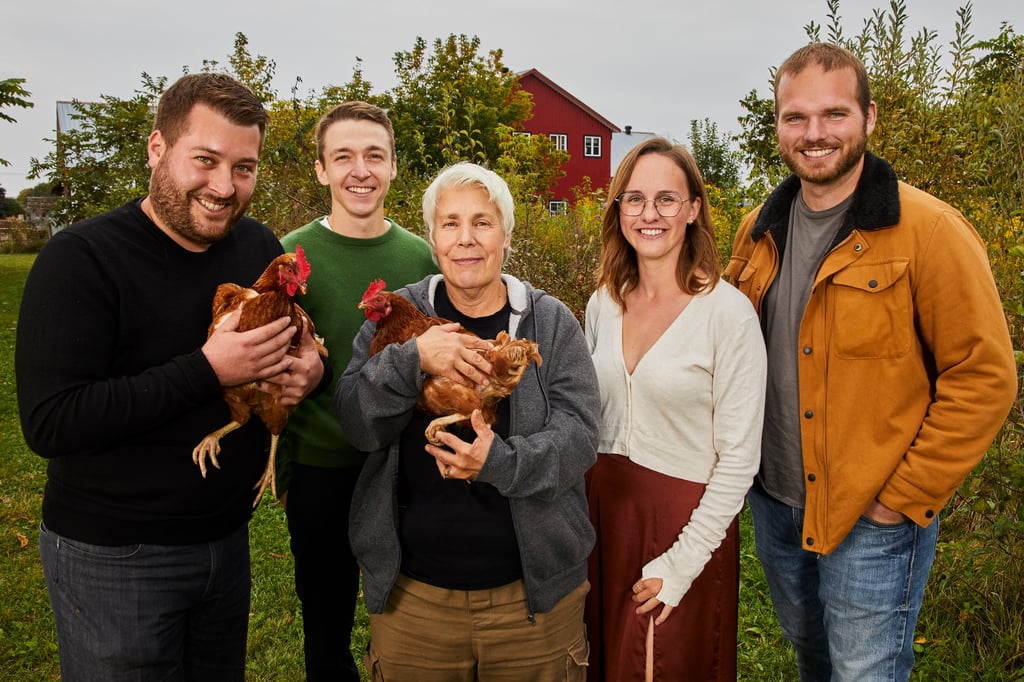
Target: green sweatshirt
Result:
[340, 270]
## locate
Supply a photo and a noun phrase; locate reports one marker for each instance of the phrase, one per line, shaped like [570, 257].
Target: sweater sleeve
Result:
[738, 388]
[375, 396]
[69, 331]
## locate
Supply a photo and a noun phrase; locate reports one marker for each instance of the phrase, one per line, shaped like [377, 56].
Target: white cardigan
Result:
[692, 409]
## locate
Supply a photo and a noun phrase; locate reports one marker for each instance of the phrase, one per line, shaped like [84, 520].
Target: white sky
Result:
[652, 64]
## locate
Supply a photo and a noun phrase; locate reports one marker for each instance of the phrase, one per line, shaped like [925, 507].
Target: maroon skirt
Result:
[638, 514]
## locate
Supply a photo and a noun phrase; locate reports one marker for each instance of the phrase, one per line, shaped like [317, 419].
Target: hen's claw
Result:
[208, 448]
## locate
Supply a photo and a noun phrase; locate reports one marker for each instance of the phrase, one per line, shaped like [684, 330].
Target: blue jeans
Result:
[849, 614]
[149, 612]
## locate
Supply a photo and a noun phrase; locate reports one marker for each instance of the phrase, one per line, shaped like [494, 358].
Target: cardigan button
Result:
[808, 414]
[808, 350]
[811, 478]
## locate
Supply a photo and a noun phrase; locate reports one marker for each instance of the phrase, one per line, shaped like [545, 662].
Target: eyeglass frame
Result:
[682, 201]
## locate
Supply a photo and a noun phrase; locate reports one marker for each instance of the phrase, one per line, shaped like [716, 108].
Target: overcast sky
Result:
[652, 64]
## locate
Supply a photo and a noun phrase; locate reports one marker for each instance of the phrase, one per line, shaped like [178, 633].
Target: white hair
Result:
[466, 174]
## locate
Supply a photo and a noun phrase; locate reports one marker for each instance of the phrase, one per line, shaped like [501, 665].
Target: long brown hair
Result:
[698, 268]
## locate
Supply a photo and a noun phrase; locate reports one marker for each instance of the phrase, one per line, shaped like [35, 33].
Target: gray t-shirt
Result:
[810, 236]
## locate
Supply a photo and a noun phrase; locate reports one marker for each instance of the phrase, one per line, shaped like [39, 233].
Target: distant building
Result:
[573, 127]
[623, 142]
[69, 113]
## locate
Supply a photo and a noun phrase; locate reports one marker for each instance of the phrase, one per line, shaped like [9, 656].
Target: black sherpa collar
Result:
[876, 204]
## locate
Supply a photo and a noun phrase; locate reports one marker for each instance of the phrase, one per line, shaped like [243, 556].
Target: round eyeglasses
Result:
[634, 203]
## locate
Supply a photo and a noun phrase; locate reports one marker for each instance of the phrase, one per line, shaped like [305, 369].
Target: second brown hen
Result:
[398, 320]
[453, 403]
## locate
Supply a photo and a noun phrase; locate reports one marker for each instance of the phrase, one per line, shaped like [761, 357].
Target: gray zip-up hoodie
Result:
[539, 468]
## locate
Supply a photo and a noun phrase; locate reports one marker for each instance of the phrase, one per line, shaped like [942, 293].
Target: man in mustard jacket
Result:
[890, 371]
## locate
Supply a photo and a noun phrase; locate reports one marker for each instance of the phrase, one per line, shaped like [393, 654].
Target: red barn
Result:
[574, 127]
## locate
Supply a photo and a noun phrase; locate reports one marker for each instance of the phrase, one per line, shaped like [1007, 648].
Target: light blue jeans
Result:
[849, 614]
[149, 612]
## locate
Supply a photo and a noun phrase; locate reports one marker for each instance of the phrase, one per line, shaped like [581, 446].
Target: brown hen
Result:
[270, 297]
[398, 320]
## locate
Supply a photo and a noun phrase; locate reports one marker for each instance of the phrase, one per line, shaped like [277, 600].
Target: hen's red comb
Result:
[301, 262]
[376, 286]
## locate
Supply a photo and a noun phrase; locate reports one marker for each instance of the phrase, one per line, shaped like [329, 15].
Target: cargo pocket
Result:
[371, 661]
[577, 659]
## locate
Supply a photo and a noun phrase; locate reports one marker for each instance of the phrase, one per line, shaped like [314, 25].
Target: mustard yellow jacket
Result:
[906, 367]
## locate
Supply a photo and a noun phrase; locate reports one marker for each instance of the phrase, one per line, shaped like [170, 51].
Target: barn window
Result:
[560, 140]
[558, 207]
[591, 145]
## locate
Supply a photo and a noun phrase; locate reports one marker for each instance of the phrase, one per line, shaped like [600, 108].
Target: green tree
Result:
[454, 102]
[758, 146]
[531, 164]
[450, 103]
[40, 189]
[13, 94]
[256, 71]
[102, 163]
[718, 163]
[9, 207]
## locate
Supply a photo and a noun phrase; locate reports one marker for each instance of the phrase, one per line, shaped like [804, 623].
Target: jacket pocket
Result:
[873, 310]
[739, 272]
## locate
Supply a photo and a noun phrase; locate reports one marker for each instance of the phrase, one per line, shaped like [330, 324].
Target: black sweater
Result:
[114, 390]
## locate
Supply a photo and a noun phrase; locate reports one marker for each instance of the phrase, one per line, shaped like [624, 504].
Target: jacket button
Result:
[811, 478]
[808, 414]
[928, 514]
[873, 284]
[807, 350]
[810, 541]
[857, 247]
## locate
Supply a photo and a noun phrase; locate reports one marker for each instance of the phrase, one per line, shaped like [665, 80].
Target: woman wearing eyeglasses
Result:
[681, 365]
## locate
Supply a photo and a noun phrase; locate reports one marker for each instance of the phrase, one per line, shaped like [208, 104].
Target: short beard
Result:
[173, 205]
[851, 156]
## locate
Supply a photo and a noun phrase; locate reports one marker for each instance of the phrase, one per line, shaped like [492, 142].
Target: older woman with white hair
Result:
[486, 580]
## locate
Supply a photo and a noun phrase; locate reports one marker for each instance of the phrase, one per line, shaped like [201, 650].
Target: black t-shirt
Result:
[455, 535]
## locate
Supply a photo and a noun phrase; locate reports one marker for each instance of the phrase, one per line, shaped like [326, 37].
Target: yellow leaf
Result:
[22, 540]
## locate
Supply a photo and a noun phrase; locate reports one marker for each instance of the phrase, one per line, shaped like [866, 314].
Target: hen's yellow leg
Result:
[269, 474]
